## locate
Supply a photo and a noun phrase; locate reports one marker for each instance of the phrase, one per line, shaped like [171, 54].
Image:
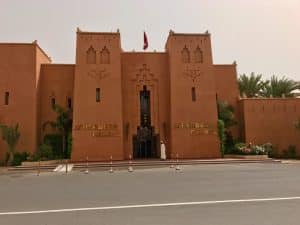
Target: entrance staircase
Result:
[142, 164]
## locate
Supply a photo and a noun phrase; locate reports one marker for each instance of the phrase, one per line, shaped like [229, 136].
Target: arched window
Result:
[91, 56]
[198, 55]
[69, 102]
[185, 55]
[104, 56]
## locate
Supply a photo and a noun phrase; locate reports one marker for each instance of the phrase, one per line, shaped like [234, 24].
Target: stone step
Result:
[146, 163]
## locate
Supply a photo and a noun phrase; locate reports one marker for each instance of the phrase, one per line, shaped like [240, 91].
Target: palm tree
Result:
[63, 124]
[276, 87]
[251, 86]
[11, 135]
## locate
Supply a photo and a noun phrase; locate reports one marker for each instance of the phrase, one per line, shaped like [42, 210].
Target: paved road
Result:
[201, 183]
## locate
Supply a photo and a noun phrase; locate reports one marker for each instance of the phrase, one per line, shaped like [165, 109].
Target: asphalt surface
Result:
[89, 193]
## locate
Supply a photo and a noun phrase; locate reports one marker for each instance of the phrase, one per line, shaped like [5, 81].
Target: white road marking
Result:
[151, 205]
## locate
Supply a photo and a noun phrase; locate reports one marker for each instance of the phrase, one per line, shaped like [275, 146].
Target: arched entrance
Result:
[145, 141]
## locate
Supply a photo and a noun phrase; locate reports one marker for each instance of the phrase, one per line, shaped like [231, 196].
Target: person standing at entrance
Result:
[162, 151]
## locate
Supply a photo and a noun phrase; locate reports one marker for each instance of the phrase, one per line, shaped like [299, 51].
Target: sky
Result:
[262, 36]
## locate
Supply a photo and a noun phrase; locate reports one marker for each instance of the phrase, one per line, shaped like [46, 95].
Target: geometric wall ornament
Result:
[193, 73]
[98, 74]
[144, 75]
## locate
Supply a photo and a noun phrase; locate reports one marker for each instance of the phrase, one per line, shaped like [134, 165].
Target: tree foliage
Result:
[279, 87]
[226, 119]
[62, 124]
[11, 135]
[251, 86]
[222, 136]
[254, 86]
[226, 114]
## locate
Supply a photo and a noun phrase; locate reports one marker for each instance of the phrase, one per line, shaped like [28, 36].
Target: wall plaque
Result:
[99, 130]
[196, 128]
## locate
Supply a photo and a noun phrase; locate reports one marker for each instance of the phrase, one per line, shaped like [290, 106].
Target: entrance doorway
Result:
[145, 141]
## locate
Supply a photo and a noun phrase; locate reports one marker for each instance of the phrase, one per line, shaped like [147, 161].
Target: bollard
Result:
[177, 163]
[111, 165]
[172, 164]
[39, 168]
[87, 165]
[66, 166]
[130, 169]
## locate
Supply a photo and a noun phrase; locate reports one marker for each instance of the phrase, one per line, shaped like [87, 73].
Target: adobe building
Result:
[125, 103]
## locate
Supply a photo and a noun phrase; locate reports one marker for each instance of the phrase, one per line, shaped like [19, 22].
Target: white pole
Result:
[111, 168]
[130, 169]
[87, 165]
[66, 166]
[39, 168]
[177, 162]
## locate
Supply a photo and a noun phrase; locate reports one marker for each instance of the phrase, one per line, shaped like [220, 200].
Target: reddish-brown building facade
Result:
[125, 103]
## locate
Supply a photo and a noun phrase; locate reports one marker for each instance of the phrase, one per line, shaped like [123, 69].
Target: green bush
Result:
[33, 157]
[55, 141]
[222, 136]
[258, 150]
[19, 157]
[290, 153]
[45, 152]
[229, 143]
[239, 147]
[270, 150]
[244, 149]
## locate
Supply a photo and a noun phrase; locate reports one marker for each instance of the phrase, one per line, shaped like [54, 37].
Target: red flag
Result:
[145, 41]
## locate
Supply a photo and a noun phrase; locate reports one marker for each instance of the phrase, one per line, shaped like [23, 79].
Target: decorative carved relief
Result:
[198, 55]
[144, 75]
[91, 56]
[98, 74]
[185, 55]
[193, 73]
[104, 56]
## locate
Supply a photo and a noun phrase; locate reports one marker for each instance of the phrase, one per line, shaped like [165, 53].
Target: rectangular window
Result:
[6, 98]
[52, 102]
[69, 103]
[193, 94]
[97, 94]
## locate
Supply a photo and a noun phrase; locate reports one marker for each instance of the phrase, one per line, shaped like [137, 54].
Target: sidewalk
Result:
[3, 169]
[290, 161]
